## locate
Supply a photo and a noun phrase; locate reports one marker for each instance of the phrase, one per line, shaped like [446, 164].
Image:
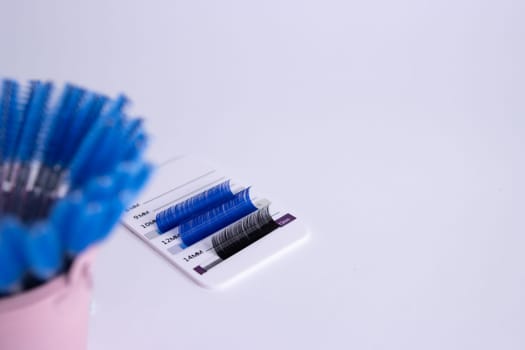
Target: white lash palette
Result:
[182, 178]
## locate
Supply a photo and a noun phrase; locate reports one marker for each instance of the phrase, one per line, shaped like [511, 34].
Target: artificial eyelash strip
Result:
[233, 222]
[243, 233]
[175, 215]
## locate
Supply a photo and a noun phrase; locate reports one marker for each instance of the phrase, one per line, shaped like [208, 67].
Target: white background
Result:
[395, 129]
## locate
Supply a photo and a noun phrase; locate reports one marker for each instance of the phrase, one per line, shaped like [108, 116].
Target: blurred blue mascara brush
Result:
[68, 169]
[12, 262]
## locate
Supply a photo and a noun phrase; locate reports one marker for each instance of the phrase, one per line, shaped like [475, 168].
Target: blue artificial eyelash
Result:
[185, 210]
[214, 219]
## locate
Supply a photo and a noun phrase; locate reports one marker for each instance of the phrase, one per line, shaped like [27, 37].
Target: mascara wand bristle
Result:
[67, 171]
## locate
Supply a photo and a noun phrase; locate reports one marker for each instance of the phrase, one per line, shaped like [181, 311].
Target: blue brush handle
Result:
[65, 213]
[90, 219]
[87, 224]
[12, 262]
[131, 176]
[101, 188]
[43, 251]
[112, 212]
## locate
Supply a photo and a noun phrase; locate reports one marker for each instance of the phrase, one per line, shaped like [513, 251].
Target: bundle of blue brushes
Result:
[68, 169]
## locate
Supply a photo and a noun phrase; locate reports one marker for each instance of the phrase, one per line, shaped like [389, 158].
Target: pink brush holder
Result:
[53, 316]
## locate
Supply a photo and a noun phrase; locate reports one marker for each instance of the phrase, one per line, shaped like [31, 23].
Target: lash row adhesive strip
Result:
[177, 214]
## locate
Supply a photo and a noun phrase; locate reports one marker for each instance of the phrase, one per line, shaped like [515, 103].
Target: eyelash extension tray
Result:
[207, 225]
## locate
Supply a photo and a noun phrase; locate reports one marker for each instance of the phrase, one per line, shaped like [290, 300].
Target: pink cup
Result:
[53, 316]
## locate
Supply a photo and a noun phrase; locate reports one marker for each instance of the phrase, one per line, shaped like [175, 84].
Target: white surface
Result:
[403, 125]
